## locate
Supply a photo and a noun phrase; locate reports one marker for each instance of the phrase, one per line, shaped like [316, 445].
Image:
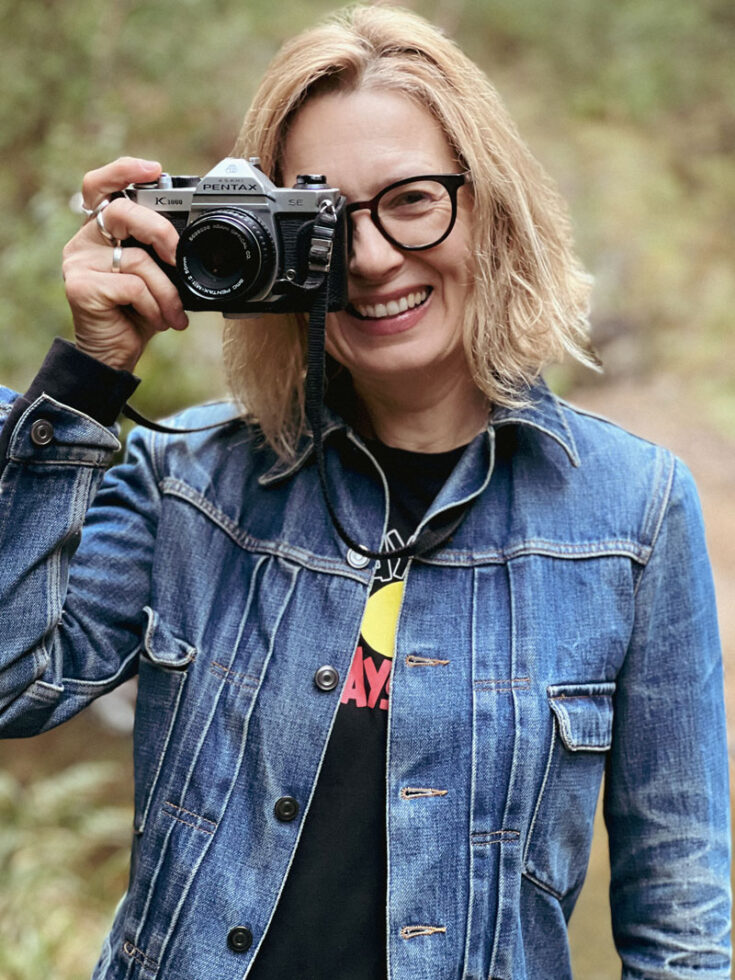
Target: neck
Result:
[437, 417]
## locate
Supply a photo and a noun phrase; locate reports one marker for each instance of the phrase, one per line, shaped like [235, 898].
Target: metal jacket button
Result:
[239, 939]
[286, 809]
[326, 678]
[356, 560]
[42, 432]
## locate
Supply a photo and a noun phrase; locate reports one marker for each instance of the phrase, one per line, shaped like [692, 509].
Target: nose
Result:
[372, 257]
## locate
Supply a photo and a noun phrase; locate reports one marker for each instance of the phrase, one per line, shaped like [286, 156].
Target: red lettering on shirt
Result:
[376, 678]
[366, 682]
[354, 689]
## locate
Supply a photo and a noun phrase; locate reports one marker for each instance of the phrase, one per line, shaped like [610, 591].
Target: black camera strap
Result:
[319, 265]
[429, 538]
[320, 260]
[317, 284]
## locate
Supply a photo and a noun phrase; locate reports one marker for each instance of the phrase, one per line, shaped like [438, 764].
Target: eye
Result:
[411, 199]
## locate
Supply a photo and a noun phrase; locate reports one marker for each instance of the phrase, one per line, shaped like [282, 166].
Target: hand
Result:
[116, 313]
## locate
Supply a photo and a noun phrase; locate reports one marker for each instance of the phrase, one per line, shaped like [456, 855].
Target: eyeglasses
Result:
[416, 212]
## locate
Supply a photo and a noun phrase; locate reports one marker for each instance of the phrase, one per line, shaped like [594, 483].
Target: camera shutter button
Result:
[42, 432]
[306, 180]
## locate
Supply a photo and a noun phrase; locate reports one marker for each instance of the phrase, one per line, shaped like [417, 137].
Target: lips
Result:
[392, 307]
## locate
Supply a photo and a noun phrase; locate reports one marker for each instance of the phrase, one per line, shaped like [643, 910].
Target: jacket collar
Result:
[542, 411]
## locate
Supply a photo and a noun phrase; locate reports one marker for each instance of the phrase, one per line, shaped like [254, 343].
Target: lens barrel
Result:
[226, 254]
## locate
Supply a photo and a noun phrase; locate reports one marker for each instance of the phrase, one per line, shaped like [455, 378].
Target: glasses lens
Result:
[416, 214]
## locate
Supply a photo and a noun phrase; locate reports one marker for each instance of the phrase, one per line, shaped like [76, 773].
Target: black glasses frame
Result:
[452, 183]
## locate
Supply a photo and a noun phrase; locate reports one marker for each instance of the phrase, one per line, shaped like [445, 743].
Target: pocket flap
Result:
[162, 647]
[584, 713]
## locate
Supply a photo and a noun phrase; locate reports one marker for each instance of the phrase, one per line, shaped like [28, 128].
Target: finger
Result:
[137, 262]
[97, 184]
[123, 219]
[98, 294]
[80, 274]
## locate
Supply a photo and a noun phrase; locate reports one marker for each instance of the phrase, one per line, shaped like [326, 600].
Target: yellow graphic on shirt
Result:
[380, 621]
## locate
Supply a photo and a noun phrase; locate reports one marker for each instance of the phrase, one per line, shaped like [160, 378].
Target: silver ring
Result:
[117, 254]
[89, 212]
[101, 224]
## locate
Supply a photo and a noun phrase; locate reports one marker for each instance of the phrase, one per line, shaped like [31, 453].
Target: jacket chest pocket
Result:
[561, 828]
[162, 674]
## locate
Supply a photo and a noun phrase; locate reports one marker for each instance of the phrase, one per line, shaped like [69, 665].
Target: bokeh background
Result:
[630, 105]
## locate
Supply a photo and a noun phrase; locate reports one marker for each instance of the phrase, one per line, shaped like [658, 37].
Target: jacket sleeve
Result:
[73, 583]
[666, 795]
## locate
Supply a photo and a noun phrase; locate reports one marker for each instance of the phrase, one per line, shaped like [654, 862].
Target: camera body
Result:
[245, 245]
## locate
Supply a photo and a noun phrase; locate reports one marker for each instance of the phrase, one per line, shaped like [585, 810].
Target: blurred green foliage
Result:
[631, 105]
[63, 866]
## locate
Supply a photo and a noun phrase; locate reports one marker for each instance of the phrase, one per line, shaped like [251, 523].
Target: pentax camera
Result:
[246, 246]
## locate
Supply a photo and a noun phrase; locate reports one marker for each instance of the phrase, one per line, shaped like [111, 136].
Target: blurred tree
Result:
[631, 105]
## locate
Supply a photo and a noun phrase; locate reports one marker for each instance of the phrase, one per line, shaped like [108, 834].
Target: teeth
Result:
[393, 307]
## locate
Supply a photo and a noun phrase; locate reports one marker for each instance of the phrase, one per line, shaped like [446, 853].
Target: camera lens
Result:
[226, 254]
[216, 254]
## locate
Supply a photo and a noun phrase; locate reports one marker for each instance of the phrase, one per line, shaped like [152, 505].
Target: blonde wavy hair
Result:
[529, 304]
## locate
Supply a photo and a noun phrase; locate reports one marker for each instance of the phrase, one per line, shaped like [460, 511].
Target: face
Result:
[362, 141]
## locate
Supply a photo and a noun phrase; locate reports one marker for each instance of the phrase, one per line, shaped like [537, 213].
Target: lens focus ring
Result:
[226, 254]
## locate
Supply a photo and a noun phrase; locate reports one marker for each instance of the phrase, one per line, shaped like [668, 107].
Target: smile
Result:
[393, 307]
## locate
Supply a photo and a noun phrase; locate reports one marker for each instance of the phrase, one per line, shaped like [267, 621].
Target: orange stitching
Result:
[137, 954]
[410, 932]
[234, 676]
[189, 813]
[413, 660]
[416, 792]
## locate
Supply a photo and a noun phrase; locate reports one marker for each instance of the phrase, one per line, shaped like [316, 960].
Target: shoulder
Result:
[223, 439]
[615, 455]
[595, 434]
[7, 397]
[630, 468]
[622, 482]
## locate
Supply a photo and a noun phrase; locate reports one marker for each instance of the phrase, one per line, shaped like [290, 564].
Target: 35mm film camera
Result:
[245, 245]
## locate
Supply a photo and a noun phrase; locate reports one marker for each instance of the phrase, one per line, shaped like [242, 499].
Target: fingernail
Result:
[182, 321]
[149, 164]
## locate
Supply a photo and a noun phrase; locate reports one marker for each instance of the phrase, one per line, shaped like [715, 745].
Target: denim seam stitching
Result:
[621, 548]
[81, 685]
[235, 677]
[134, 953]
[542, 791]
[176, 913]
[656, 502]
[103, 452]
[189, 813]
[663, 510]
[159, 762]
[484, 838]
[547, 888]
[176, 488]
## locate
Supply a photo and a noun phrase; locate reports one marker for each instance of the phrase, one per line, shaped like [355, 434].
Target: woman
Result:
[287, 822]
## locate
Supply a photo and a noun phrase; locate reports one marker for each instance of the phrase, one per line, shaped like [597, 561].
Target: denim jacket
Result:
[565, 630]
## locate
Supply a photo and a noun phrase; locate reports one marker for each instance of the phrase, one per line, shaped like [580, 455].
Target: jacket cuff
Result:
[80, 381]
[77, 380]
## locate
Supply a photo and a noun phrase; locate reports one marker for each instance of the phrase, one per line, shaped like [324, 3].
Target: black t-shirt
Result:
[330, 920]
